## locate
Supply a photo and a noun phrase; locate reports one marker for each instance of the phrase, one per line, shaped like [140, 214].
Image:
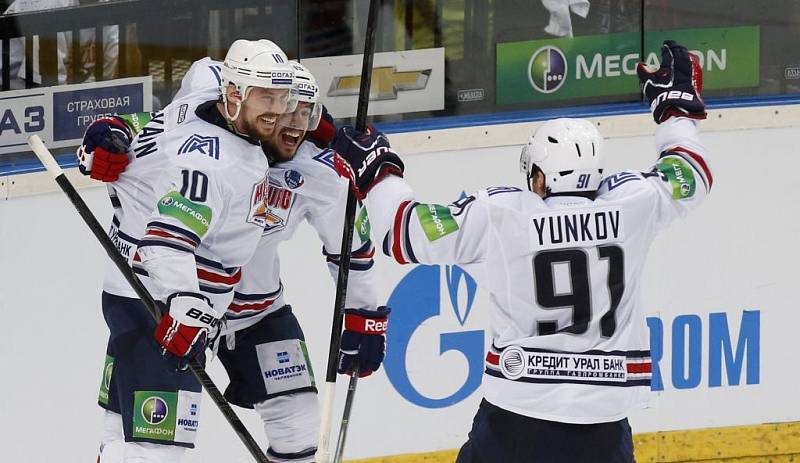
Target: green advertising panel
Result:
[602, 65]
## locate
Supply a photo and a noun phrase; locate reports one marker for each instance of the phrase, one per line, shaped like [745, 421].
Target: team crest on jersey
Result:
[293, 179]
[258, 204]
[278, 207]
[204, 145]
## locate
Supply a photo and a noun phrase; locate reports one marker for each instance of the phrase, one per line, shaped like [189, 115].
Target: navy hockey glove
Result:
[184, 330]
[104, 152]
[674, 89]
[363, 339]
[364, 158]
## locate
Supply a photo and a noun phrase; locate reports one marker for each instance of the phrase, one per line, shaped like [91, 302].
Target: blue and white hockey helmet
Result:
[258, 63]
[309, 109]
[569, 153]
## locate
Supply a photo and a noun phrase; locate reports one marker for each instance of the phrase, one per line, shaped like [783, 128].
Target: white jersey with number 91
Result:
[569, 339]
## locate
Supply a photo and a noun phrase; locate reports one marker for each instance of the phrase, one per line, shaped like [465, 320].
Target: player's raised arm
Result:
[407, 230]
[682, 176]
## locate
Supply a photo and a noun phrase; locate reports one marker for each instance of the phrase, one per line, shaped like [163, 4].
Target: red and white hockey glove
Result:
[364, 158]
[363, 340]
[104, 152]
[674, 88]
[184, 330]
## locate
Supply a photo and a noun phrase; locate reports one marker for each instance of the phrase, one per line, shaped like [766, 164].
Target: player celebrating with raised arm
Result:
[563, 263]
[188, 213]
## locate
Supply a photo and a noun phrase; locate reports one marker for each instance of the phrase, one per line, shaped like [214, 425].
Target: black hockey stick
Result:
[323, 450]
[55, 171]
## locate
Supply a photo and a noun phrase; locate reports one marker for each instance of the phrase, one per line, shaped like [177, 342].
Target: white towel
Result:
[560, 24]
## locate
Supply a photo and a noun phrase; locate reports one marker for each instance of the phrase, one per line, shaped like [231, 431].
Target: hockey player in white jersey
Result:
[562, 264]
[189, 210]
[303, 187]
[261, 334]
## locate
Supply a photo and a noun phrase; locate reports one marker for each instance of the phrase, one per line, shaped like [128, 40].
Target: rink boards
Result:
[718, 290]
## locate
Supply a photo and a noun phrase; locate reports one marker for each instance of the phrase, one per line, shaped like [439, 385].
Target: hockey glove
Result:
[184, 330]
[674, 89]
[364, 158]
[363, 340]
[323, 135]
[103, 154]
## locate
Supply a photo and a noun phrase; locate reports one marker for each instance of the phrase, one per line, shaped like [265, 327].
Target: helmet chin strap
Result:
[232, 118]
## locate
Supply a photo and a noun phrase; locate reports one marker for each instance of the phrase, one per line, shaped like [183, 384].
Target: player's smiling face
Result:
[260, 111]
[289, 132]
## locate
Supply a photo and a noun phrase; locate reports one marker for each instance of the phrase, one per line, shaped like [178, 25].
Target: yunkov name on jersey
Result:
[569, 342]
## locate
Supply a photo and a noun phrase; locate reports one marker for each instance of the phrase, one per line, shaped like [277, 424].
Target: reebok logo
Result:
[375, 326]
[670, 95]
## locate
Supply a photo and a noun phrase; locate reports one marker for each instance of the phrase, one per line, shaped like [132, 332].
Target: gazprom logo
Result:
[422, 311]
[205, 145]
[154, 410]
[547, 69]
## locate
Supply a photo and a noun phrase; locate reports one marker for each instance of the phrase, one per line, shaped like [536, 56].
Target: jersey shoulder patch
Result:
[310, 173]
[615, 181]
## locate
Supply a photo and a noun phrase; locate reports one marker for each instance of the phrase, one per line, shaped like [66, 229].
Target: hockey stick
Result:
[199, 372]
[323, 449]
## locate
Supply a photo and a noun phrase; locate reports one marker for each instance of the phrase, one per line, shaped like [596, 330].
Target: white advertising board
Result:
[719, 294]
[402, 82]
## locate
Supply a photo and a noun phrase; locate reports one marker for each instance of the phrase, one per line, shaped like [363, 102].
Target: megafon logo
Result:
[154, 410]
[547, 69]
[416, 302]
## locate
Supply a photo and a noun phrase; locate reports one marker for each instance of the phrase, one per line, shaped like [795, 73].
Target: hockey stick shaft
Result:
[323, 450]
[99, 232]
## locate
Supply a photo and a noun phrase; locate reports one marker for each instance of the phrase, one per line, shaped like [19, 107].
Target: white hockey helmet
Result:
[569, 153]
[256, 63]
[304, 117]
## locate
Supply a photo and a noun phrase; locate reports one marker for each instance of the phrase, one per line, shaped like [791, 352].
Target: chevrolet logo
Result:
[386, 82]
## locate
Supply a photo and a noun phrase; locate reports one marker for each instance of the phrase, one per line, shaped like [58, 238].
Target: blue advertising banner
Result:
[59, 115]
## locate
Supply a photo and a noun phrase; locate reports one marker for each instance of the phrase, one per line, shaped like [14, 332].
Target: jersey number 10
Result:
[580, 298]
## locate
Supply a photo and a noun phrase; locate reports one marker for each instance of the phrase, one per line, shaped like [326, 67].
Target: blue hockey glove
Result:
[364, 158]
[103, 155]
[363, 339]
[674, 89]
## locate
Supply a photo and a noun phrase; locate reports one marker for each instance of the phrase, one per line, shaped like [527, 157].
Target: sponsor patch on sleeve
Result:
[362, 225]
[137, 121]
[196, 217]
[436, 221]
[680, 175]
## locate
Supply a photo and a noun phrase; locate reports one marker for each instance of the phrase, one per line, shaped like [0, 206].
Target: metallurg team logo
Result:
[547, 69]
[154, 410]
[386, 83]
[205, 145]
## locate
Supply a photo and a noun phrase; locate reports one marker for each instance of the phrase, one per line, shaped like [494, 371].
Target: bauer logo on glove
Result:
[364, 158]
[673, 89]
